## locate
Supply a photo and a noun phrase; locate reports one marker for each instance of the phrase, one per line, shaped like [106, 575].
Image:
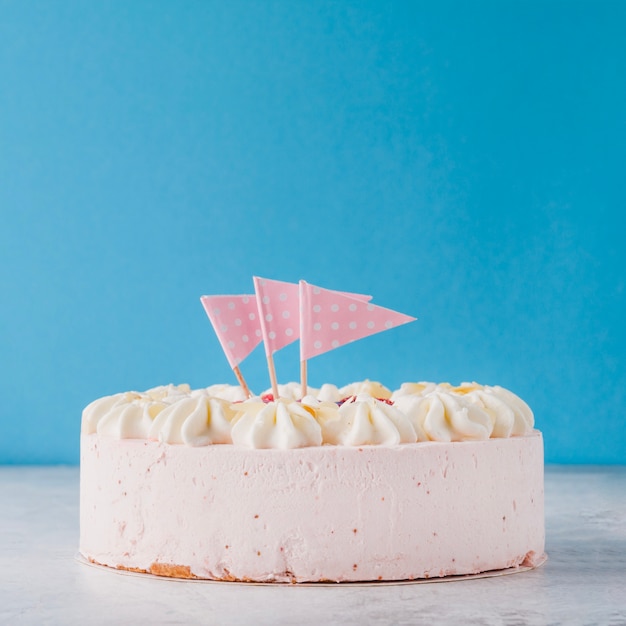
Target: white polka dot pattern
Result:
[235, 321]
[279, 311]
[332, 319]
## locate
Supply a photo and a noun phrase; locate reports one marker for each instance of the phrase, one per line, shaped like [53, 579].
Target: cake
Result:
[343, 485]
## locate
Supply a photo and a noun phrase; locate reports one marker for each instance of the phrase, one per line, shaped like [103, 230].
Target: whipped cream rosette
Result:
[511, 416]
[168, 393]
[468, 412]
[128, 419]
[231, 393]
[324, 412]
[197, 420]
[129, 415]
[328, 393]
[282, 424]
[364, 420]
[413, 389]
[442, 415]
[365, 387]
[96, 410]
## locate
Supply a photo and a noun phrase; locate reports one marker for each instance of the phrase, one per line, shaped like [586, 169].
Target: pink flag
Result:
[331, 319]
[236, 323]
[279, 305]
[279, 311]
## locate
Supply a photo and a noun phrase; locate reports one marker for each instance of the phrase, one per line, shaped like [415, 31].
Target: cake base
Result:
[537, 563]
[319, 514]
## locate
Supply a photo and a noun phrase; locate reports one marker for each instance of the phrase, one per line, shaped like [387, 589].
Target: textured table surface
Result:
[583, 582]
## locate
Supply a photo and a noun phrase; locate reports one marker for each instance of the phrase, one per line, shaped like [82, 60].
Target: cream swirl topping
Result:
[123, 415]
[97, 409]
[283, 424]
[195, 421]
[510, 415]
[231, 393]
[364, 420]
[328, 393]
[167, 393]
[324, 412]
[365, 387]
[130, 420]
[442, 416]
[470, 411]
[413, 389]
[421, 411]
[129, 415]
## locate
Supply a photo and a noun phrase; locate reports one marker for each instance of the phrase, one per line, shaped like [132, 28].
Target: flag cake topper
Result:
[330, 319]
[280, 312]
[236, 324]
[279, 306]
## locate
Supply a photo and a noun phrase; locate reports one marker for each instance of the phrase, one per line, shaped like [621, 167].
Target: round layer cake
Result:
[156, 500]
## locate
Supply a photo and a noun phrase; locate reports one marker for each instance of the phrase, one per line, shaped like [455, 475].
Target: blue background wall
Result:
[463, 162]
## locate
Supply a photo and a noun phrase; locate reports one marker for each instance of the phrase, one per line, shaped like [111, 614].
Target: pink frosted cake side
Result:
[392, 511]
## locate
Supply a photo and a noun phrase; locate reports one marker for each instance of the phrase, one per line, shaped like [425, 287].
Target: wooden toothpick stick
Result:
[272, 370]
[303, 376]
[242, 381]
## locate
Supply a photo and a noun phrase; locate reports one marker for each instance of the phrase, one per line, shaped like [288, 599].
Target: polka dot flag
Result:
[236, 323]
[331, 319]
[279, 311]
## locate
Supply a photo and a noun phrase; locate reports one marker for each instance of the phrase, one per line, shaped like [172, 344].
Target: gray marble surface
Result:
[583, 582]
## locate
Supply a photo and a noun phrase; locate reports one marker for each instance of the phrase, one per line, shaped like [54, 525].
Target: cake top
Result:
[362, 413]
